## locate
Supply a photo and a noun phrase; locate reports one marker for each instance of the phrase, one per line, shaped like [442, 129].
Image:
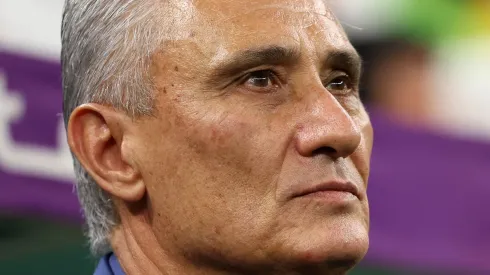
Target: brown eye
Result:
[341, 83]
[260, 79]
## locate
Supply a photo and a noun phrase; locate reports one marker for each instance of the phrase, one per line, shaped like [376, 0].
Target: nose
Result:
[327, 128]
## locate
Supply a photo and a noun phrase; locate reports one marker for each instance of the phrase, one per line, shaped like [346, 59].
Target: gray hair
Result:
[106, 49]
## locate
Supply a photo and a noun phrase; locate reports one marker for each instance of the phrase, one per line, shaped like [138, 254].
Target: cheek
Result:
[208, 153]
[222, 137]
[211, 175]
[362, 155]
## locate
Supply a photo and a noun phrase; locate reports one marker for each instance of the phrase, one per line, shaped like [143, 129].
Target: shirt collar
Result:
[109, 265]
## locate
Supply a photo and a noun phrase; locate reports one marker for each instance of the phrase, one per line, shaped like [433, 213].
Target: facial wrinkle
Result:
[210, 35]
[176, 28]
[281, 8]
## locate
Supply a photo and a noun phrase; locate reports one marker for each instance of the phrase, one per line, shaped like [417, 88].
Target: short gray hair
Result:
[105, 57]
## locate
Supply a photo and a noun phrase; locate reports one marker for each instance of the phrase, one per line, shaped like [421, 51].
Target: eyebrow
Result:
[251, 58]
[347, 60]
[247, 59]
[239, 62]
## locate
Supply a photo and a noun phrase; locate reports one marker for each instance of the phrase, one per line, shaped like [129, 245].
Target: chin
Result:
[332, 249]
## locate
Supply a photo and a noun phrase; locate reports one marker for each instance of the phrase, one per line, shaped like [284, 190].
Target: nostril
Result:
[324, 151]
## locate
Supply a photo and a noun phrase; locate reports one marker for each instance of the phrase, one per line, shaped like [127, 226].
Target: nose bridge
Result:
[326, 127]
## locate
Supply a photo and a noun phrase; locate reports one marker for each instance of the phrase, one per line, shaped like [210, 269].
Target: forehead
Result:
[224, 9]
[240, 24]
[214, 30]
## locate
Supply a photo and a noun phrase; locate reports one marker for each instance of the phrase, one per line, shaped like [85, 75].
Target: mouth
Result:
[331, 189]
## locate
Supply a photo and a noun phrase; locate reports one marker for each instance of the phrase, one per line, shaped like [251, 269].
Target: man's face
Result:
[256, 105]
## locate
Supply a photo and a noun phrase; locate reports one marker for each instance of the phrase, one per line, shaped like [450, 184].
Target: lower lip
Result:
[332, 196]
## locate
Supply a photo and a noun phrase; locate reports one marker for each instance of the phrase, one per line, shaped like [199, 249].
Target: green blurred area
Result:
[437, 22]
[39, 246]
[31, 245]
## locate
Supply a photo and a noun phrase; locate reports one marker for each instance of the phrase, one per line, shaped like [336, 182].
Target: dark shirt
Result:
[109, 265]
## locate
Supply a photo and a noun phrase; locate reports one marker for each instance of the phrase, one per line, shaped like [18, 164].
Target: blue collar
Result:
[109, 265]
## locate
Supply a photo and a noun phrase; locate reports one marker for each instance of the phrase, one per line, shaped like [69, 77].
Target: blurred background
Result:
[426, 85]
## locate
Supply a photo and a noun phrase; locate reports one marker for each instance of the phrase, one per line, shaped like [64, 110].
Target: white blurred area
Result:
[461, 99]
[31, 27]
[367, 19]
[458, 103]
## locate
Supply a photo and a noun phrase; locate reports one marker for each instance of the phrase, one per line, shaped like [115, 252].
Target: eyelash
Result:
[276, 81]
[272, 76]
[346, 80]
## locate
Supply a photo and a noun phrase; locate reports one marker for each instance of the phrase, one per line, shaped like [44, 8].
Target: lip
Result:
[337, 186]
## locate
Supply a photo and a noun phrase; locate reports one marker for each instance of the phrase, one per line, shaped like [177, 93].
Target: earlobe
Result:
[98, 136]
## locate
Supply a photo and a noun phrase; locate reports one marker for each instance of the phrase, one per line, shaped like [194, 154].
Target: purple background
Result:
[39, 82]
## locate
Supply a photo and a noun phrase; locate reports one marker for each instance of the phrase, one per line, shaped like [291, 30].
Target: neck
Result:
[129, 247]
[139, 252]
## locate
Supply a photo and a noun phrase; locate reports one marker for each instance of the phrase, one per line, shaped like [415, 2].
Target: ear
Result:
[98, 136]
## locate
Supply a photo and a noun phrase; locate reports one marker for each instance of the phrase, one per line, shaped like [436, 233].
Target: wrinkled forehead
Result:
[279, 9]
[242, 20]
[218, 27]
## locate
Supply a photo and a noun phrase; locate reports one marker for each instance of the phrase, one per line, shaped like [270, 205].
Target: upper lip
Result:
[336, 185]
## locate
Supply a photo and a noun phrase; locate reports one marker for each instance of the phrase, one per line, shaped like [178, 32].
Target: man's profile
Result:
[216, 136]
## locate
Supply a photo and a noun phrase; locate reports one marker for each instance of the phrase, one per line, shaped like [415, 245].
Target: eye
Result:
[261, 79]
[340, 83]
[346, 92]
